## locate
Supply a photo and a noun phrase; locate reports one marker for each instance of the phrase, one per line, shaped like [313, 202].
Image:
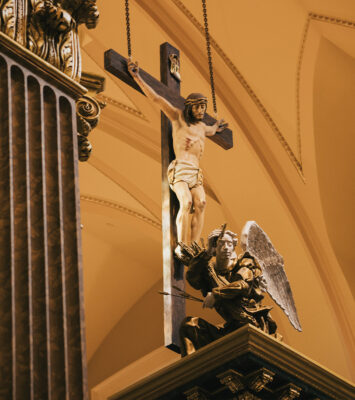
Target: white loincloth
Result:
[184, 171]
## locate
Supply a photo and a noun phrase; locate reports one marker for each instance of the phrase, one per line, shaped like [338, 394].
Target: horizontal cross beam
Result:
[117, 66]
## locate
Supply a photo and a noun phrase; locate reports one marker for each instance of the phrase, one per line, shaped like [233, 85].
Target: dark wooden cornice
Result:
[244, 350]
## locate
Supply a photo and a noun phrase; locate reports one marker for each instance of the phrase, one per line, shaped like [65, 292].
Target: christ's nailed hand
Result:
[221, 125]
[133, 68]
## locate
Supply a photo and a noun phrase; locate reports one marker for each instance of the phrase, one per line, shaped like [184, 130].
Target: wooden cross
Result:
[173, 270]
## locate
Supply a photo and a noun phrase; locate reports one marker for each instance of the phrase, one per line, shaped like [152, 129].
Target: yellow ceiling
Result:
[272, 63]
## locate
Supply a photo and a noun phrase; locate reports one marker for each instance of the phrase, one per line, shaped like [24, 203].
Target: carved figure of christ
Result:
[184, 173]
[169, 89]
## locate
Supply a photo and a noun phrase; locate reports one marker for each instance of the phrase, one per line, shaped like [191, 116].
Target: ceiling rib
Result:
[149, 204]
[160, 11]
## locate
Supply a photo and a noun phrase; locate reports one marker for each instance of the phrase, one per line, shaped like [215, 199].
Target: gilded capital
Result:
[49, 29]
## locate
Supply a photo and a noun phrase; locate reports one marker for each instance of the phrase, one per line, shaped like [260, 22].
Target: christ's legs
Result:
[183, 194]
[199, 202]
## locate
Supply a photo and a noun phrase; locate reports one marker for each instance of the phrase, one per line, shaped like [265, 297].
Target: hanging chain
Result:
[208, 44]
[128, 29]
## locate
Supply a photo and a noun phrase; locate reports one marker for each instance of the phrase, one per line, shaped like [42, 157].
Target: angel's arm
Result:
[197, 270]
[234, 289]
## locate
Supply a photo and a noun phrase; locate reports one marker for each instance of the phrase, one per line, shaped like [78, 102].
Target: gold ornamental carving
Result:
[88, 111]
[289, 392]
[258, 380]
[196, 393]
[247, 396]
[232, 380]
[175, 66]
[49, 29]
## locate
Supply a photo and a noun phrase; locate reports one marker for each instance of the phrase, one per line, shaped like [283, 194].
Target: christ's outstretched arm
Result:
[217, 127]
[168, 109]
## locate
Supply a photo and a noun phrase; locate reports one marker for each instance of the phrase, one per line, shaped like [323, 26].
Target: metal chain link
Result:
[128, 29]
[208, 44]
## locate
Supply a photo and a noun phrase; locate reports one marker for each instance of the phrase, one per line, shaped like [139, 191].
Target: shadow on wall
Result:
[139, 332]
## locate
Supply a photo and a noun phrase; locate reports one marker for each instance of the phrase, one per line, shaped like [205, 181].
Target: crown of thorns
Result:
[199, 100]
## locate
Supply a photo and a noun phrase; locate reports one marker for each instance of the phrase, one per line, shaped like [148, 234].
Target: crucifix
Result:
[169, 89]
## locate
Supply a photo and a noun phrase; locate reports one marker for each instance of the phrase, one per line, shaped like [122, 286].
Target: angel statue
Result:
[234, 285]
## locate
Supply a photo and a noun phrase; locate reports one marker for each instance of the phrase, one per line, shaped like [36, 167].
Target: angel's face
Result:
[225, 247]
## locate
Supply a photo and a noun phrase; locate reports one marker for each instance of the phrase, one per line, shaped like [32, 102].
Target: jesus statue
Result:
[184, 173]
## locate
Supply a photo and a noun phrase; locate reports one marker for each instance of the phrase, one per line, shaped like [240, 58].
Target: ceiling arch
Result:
[334, 122]
[244, 111]
[254, 180]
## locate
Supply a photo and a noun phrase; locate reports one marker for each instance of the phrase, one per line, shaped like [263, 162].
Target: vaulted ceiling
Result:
[285, 82]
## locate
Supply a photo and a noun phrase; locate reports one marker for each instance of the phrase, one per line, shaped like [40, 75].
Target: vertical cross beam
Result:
[169, 89]
[173, 270]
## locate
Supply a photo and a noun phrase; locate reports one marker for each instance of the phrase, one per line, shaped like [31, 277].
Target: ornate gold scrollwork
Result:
[258, 380]
[196, 393]
[89, 108]
[289, 392]
[50, 29]
[8, 19]
[175, 66]
[247, 396]
[84, 148]
[88, 111]
[232, 379]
